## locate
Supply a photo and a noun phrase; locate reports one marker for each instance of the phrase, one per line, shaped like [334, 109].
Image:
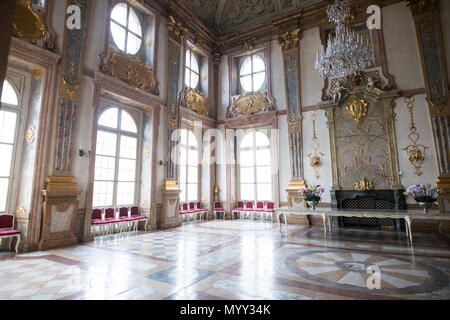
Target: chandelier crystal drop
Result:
[348, 52]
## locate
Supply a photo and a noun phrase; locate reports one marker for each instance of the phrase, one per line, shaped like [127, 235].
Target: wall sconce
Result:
[163, 163]
[315, 156]
[83, 153]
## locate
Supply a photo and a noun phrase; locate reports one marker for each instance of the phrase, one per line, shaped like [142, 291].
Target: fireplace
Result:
[370, 199]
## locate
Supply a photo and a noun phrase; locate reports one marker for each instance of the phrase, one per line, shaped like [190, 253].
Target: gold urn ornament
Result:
[357, 109]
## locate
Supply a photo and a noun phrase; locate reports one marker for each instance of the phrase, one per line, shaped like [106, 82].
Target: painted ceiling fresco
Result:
[233, 15]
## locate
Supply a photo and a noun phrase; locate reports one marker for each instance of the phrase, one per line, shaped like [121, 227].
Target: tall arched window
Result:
[255, 175]
[189, 166]
[116, 159]
[126, 28]
[9, 116]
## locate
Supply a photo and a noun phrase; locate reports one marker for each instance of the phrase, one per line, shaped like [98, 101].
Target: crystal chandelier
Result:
[348, 52]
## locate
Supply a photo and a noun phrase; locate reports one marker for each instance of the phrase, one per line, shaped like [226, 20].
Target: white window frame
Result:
[192, 55]
[252, 73]
[189, 148]
[255, 167]
[137, 117]
[23, 79]
[127, 30]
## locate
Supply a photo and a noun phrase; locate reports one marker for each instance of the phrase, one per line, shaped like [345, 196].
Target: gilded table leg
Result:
[286, 222]
[329, 223]
[324, 219]
[409, 229]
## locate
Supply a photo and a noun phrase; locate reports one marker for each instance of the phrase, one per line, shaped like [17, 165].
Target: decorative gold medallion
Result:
[29, 24]
[30, 134]
[250, 104]
[196, 101]
[357, 110]
[364, 184]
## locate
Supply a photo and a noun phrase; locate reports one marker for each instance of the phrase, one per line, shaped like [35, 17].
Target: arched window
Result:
[192, 70]
[253, 73]
[9, 115]
[126, 28]
[116, 159]
[255, 175]
[189, 166]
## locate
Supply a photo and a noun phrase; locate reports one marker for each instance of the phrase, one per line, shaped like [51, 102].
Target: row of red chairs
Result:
[7, 230]
[113, 219]
[192, 211]
[252, 208]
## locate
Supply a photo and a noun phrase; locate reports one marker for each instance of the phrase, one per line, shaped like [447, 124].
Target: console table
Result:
[327, 213]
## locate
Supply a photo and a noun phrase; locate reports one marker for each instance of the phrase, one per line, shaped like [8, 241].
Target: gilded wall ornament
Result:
[357, 110]
[289, 40]
[196, 101]
[250, 104]
[30, 135]
[176, 29]
[29, 24]
[172, 117]
[364, 184]
[137, 74]
[71, 84]
[315, 156]
[415, 151]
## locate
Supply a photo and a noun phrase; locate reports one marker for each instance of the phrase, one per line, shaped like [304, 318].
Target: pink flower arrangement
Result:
[313, 193]
[424, 193]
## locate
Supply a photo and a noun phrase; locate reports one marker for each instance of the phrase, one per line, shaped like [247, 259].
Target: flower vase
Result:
[425, 206]
[312, 204]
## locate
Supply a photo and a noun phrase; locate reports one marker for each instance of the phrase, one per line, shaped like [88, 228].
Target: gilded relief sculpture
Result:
[415, 151]
[29, 23]
[315, 156]
[196, 101]
[250, 104]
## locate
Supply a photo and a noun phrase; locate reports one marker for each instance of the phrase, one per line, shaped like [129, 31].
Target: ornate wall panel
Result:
[362, 139]
[431, 47]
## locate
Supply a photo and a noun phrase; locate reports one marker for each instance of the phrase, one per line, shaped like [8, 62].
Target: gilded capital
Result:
[289, 40]
[176, 29]
[422, 6]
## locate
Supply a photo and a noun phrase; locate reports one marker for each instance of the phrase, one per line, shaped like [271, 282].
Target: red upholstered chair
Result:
[203, 213]
[249, 207]
[97, 220]
[270, 210]
[110, 218]
[136, 218]
[239, 209]
[124, 218]
[192, 213]
[7, 230]
[259, 209]
[184, 210]
[219, 209]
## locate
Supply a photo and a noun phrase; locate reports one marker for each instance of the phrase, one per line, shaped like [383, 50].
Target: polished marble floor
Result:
[235, 260]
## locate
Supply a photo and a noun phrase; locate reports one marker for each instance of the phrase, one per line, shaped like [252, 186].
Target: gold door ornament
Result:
[196, 101]
[357, 109]
[250, 104]
[29, 24]
[415, 151]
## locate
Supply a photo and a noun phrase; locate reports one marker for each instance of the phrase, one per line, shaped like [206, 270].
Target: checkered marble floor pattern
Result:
[234, 260]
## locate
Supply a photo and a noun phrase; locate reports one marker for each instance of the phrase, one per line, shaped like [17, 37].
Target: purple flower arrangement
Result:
[313, 193]
[424, 193]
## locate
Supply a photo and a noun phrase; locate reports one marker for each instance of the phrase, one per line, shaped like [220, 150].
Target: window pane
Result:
[247, 191]
[128, 147]
[3, 193]
[194, 80]
[6, 151]
[264, 192]
[261, 139]
[183, 194]
[188, 58]
[247, 141]
[109, 118]
[193, 157]
[104, 168]
[187, 78]
[258, 64]
[247, 158]
[127, 123]
[247, 175]
[106, 143]
[183, 135]
[9, 95]
[192, 139]
[194, 63]
[263, 157]
[246, 68]
[134, 24]
[125, 193]
[246, 83]
[118, 34]
[183, 156]
[119, 14]
[192, 192]
[264, 174]
[192, 174]
[182, 174]
[103, 194]
[258, 80]
[7, 126]
[127, 170]
[133, 44]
